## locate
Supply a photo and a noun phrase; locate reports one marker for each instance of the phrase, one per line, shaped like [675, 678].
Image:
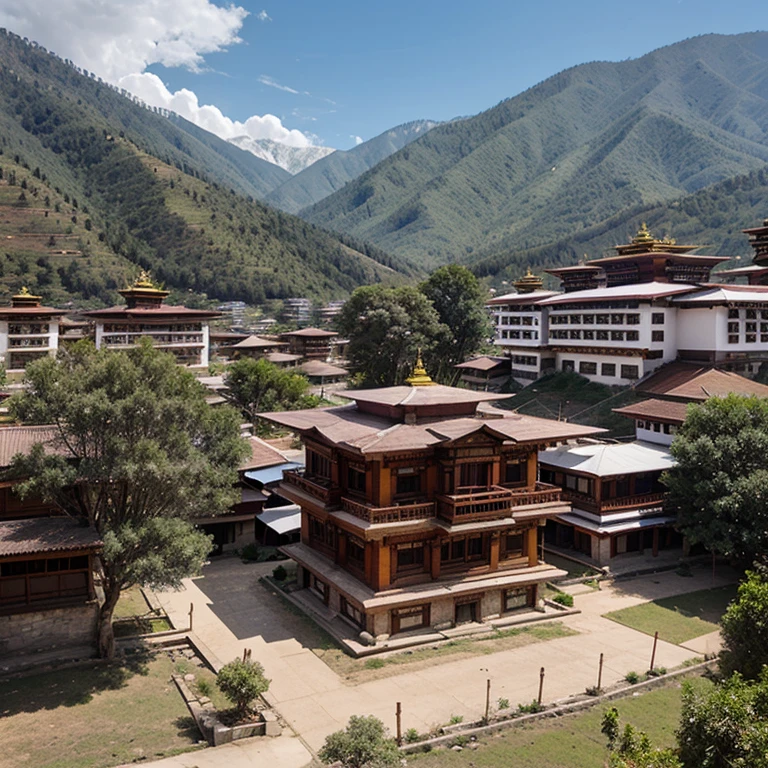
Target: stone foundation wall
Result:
[49, 629]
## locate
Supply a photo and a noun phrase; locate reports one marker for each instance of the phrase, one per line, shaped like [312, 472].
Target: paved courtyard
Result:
[233, 610]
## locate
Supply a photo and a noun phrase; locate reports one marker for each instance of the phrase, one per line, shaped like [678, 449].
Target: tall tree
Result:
[719, 483]
[386, 327]
[459, 300]
[138, 454]
[257, 386]
[725, 726]
[744, 628]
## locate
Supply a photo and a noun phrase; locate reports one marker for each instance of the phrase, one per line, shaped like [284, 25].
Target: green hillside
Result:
[333, 171]
[569, 154]
[94, 186]
[714, 218]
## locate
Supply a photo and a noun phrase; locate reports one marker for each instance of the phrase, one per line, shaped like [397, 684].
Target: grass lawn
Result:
[573, 741]
[133, 606]
[680, 618]
[95, 715]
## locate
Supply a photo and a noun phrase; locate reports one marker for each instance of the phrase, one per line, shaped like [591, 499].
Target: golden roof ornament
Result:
[143, 280]
[643, 235]
[24, 293]
[528, 283]
[419, 376]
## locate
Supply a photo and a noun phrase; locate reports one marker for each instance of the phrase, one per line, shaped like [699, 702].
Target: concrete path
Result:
[234, 611]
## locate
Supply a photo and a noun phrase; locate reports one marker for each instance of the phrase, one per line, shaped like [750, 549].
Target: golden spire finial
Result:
[419, 376]
[643, 235]
[24, 291]
[144, 280]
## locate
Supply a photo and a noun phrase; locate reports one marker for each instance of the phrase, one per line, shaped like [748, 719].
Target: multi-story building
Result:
[310, 343]
[619, 318]
[618, 501]
[181, 331]
[419, 508]
[28, 330]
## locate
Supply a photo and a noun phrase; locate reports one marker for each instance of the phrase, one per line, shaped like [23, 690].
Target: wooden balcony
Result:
[493, 503]
[398, 514]
[317, 487]
[607, 506]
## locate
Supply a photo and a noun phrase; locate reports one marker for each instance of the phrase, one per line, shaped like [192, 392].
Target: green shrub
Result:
[503, 704]
[279, 573]
[593, 690]
[657, 672]
[456, 719]
[412, 736]
[461, 740]
[249, 553]
[241, 682]
[563, 598]
[529, 709]
[363, 742]
[632, 678]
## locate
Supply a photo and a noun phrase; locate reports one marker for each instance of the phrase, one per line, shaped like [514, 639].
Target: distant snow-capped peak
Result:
[291, 159]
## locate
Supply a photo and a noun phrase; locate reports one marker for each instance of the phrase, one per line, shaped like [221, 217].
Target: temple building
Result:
[310, 343]
[181, 331]
[28, 331]
[421, 507]
[619, 318]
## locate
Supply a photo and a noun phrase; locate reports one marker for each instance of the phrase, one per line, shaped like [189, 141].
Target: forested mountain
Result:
[330, 173]
[94, 186]
[573, 153]
[713, 217]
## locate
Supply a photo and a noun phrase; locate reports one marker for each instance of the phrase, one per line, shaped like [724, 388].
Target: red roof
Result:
[664, 411]
[311, 333]
[689, 381]
[46, 534]
[262, 455]
[15, 440]
[147, 313]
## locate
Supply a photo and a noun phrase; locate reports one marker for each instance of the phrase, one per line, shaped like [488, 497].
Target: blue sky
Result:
[341, 69]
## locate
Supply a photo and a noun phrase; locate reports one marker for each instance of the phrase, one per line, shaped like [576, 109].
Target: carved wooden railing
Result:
[496, 502]
[397, 514]
[590, 504]
[312, 486]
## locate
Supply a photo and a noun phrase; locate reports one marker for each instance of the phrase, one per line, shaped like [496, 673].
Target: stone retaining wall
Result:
[49, 629]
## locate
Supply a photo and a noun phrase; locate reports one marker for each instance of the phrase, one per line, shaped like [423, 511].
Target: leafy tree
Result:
[719, 483]
[631, 748]
[363, 743]
[744, 628]
[241, 682]
[386, 327]
[258, 386]
[459, 300]
[139, 453]
[725, 726]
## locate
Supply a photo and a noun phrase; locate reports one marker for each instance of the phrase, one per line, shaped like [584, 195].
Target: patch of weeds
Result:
[412, 736]
[204, 688]
[374, 663]
[529, 709]
[693, 662]
[657, 672]
[456, 719]
[182, 667]
[503, 703]
[563, 598]
[632, 678]
[593, 584]
[593, 690]
[461, 741]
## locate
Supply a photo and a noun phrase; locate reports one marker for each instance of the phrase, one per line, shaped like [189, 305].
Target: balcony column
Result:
[531, 469]
[494, 553]
[381, 562]
[533, 546]
[341, 549]
[435, 559]
[304, 527]
[385, 484]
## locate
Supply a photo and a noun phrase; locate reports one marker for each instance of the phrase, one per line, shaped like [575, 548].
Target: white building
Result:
[620, 318]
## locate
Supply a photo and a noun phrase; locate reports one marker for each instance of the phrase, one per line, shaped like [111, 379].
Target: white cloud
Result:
[267, 80]
[119, 39]
[357, 139]
[115, 38]
[150, 88]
